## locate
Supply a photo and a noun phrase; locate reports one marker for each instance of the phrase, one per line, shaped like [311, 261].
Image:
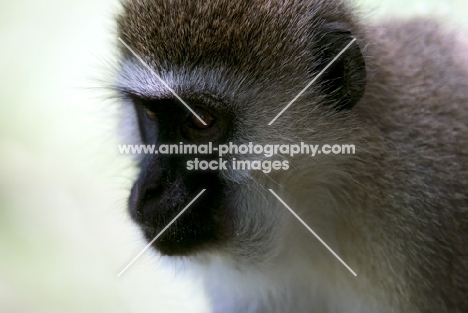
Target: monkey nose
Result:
[143, 197]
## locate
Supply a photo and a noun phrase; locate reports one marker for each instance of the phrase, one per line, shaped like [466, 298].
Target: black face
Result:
[165, 186]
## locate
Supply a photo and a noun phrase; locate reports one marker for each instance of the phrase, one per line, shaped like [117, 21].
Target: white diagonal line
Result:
[313, 81]
[160, 233]
[161, 80]
[313, 233]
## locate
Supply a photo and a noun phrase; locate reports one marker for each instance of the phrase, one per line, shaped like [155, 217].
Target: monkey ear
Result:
[344, 82]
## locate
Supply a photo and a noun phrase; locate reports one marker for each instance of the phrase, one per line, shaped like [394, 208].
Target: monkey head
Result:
[236, 64]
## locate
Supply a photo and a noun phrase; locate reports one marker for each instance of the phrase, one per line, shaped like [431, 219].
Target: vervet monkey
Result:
[396, 211]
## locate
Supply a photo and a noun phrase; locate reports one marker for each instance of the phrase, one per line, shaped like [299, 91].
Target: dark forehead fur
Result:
[250, 36]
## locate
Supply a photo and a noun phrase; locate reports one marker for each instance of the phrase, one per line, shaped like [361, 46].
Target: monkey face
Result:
[165, 186]
[235, 79]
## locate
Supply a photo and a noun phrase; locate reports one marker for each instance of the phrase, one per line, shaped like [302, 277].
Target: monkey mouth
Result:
[183, 237]
[203, 225]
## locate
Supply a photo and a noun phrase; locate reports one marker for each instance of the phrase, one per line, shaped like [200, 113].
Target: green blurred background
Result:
[64, 232]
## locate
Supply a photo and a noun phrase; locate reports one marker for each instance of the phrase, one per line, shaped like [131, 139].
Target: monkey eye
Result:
[151, 115]
[205, 116]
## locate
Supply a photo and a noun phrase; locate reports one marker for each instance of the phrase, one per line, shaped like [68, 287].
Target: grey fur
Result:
[396, 212]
